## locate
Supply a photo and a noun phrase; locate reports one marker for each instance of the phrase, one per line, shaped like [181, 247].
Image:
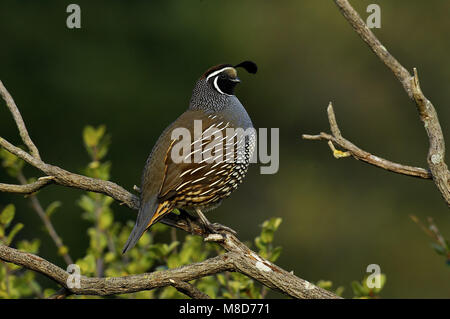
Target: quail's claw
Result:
[217, 228]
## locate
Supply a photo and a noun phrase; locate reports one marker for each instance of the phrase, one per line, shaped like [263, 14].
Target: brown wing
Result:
[201, 180]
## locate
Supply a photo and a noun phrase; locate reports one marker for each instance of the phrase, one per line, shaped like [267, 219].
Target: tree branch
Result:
[427, 113]
[27, 188]
[360, 154]
[252, 265]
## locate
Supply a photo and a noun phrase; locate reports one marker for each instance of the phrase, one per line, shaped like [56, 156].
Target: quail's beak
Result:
[236, 79]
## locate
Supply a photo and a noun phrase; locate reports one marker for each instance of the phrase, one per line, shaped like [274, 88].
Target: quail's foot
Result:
[216, 228]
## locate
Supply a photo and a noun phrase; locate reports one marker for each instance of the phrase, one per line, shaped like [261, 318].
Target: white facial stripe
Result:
[217, 72]
[217, 87]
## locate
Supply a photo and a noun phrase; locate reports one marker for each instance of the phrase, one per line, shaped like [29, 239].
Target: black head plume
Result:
[249, 66]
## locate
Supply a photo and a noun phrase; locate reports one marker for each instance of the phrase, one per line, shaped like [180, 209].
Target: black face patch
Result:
[225, 81]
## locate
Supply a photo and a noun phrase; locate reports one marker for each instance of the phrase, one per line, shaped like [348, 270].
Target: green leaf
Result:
[325, 284]
[87, 265]
[107, 200]
[173, 261]
[276, 253]
[87, 204]
[339, 291]
[172, 246]
[221, 279]
[110, 257]
[157, 249]
[31, 247]
[63, 250]
[11, 162]
[13, 233]
[145, 240]
[227, 295]
[48, 292]
[259, 243]
[92, 136]
[7, 215]
[272, 223]
[382, 283]
[269, 227]
[208, 285]
[276, 222]
[359, 290]
[98, 241]
[103, 147]
[106, 219]
[52, 208]
[267, 235]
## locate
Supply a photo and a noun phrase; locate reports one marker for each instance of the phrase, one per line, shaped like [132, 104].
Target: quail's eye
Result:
[222, 76]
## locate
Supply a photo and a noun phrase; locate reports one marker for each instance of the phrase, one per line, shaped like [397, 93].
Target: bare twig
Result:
[360, 154]
[19, 121]
[60, 294]
[434, 233]
[188, 289]
[37, 207]
[27, 188]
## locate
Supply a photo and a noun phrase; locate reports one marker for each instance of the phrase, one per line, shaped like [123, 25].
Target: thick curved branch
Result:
[359, 154]
[252, 265]
[118, 285]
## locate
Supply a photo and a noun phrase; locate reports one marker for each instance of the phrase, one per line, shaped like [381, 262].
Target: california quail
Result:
[198, 185]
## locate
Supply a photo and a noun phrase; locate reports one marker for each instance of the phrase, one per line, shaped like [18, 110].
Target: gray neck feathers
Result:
[204, 97]
[209, 100]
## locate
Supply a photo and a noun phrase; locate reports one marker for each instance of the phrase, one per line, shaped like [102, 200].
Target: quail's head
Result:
[215, 88]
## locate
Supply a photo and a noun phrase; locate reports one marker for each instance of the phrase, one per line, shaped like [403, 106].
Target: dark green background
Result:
[132, 67]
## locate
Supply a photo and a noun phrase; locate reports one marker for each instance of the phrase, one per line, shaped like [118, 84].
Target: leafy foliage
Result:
[328, 285]
[362, 290]
[15, 282]
[12, 164]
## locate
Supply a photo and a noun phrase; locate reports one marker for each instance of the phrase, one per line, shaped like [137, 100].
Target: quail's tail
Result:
[136, 233]
[144, 216]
